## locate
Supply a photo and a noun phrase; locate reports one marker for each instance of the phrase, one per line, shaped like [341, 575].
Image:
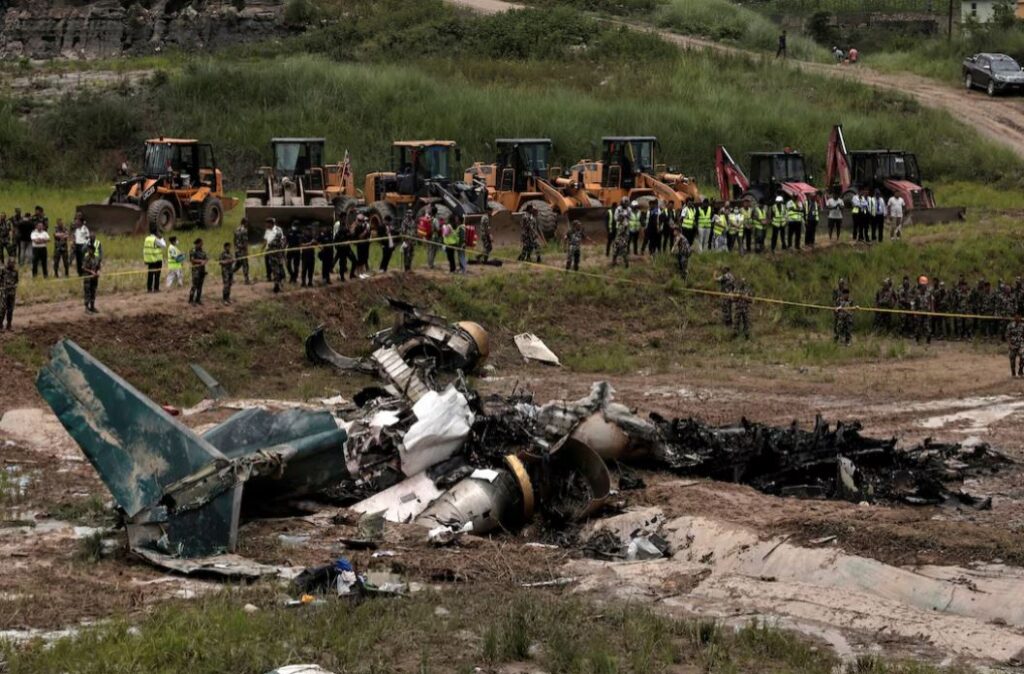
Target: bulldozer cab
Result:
[873, 167]
[519, 160]
[625, 157]
[301, 158]
[774, 168]
[189, 161]
[418, 163]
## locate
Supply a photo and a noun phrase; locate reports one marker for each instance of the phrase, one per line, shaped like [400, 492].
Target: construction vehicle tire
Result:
[376, 213]
[161, 215]
[345, 209]
[213, 213]
[546, 216]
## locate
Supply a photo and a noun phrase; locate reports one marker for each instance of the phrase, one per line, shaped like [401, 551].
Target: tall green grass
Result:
[729, 22]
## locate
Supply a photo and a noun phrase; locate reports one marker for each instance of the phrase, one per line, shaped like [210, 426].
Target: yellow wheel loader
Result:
[300, 187]
[627, 169]
[179, 183]
[521, 176]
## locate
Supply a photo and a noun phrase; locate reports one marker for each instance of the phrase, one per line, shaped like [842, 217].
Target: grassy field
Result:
[481, 628]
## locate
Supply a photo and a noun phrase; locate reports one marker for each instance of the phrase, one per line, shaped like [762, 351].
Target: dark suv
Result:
[995, 73]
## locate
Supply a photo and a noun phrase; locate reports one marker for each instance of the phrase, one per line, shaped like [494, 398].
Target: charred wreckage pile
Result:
[425, 447]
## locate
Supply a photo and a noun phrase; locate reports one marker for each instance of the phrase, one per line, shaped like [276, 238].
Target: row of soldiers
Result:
[932, 295]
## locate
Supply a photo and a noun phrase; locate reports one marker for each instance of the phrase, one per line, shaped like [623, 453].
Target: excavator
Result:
[520, 176]
[299, 186]
[771, 173]
[627, 168]
[889, 171]
[179, 183]
[420, 178]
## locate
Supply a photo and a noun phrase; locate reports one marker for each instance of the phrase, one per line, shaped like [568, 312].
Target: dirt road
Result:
[999, 120]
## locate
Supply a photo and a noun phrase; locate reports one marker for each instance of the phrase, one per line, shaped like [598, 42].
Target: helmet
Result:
[635, 204]
[922, 279]
[778, 200]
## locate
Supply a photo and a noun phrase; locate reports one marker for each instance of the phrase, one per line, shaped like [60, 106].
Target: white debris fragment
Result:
[532, 348]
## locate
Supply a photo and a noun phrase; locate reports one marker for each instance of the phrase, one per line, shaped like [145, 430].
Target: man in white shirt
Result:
[895, 216]
[271, 233]
[81, 233]
[834, 205]
[40, 241]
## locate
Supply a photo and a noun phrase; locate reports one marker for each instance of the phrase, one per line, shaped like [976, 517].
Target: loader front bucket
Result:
[935, 216]
[505, 229]
[114, 218]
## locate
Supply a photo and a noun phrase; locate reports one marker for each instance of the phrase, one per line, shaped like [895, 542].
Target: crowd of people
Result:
[290, 256]
[745, 227]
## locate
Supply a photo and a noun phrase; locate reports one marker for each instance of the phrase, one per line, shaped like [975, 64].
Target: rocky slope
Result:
[38, 29]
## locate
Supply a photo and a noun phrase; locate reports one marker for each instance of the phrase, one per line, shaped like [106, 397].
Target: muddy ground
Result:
[53, 503]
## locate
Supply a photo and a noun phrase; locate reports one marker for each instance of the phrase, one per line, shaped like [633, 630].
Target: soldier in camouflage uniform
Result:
[242, 249]
[979, 306]
[90, 278]
[842, 287]
[197, 259]
[842, 322]
[961, 304]
[885, 298]
[409, 238]
[726, 284]
[1015, 340]
[1018, 295]
[1004, 303]
[486, 240]
[741, 310]
[573, 246]
[922, 300]
[227, 272]
[5, 235]
[681, 249]
[530, 235]
[8, 291]
[620, 247]
[275, 255]
[904, 301]
[940, 302]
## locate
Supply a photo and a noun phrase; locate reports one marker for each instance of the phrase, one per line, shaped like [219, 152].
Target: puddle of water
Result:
[975, 419]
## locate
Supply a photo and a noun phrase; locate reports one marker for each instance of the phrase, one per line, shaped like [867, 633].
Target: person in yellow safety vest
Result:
[735, 229]
[747, 238]
[174, 260]
[757, 220]
[794, 222]
[634, 227]
[153, 256]
[778, 216]
[688, 221]
[704, 215]
[450, 238]
[719, 224]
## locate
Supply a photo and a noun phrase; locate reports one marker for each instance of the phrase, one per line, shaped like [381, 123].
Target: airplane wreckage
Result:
[425, 447]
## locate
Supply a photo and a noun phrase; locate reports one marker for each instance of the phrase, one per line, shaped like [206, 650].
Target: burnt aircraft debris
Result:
[413, 353]
[446, 458]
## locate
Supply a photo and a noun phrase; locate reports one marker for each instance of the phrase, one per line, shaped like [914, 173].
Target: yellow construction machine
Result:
[299, 186]
[421, 178]
[179, 183]
[627, 169]
[520, 176]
